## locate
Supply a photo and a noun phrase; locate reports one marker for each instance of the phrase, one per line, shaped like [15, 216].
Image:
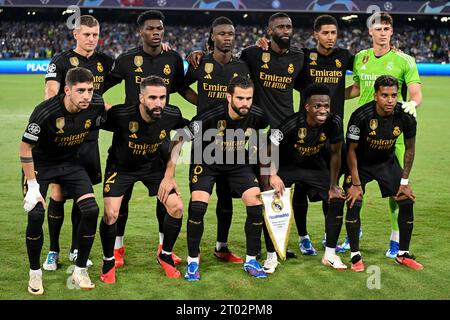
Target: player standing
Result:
[100, 64]
[373, 131]
[368, 66]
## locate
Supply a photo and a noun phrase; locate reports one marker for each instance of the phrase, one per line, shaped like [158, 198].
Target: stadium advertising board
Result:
[40, 66]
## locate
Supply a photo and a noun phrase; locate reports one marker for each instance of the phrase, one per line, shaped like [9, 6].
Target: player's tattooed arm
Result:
[26, 159]
[409, 156]
[404, 191]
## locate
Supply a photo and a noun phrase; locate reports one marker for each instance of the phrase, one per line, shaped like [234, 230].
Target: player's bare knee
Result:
[110, 214]
[252, 197]
[111, 217]
[175, 209]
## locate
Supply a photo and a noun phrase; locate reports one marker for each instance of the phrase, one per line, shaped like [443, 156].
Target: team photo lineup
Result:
[247, 136]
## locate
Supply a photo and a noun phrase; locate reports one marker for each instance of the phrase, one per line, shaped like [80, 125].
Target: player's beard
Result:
[283, 44]
[236, 109]
[151, 113]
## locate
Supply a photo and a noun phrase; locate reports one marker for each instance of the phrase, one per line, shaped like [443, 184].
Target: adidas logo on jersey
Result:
[208, 76]
[133, 136]
[313, 63]
[265, 66]
[138, 69]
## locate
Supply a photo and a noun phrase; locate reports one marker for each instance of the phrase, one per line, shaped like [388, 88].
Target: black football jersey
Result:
[302, 145]
[376, 135]
[99, 64]
[136, 142]
[274, 76]
[57, 134]
[219, 140]
[327, 70]
[135, 65]
[212, 80]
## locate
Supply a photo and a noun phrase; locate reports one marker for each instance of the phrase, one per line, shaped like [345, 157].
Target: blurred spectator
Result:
[26, 40]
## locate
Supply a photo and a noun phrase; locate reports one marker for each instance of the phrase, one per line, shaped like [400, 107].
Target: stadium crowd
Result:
[42, 40]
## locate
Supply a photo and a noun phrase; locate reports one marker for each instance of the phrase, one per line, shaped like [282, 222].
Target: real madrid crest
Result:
[162, 135]
[396, 131]
[322, 137]
[390, 66]
[291, 68]
[133, 126]
[60, 123]
[87, 124]
[138, 61]
[99, 67]
[277, 205]
[74, 61]
[167, 70]
[338, 63]
[301, 134]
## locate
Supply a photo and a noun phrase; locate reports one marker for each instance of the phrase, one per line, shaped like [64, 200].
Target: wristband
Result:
[404, 182]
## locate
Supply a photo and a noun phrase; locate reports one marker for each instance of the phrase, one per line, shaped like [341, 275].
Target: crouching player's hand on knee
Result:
[33, 196]
[165, 188]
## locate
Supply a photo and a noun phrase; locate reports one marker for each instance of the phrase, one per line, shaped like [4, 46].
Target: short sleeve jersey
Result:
[367, 68]
[57, 134]
[329, 71]
[135, 65]
[136, 142]
[220, 138]
[302, 145]
[99, 64]
[212, 80]
[274, 76]
[376, 135]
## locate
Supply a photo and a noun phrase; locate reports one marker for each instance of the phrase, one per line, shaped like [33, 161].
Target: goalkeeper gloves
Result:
[410, 107]
[33, 195]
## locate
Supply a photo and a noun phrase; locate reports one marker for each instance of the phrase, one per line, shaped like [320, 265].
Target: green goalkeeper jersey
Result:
[367, 68]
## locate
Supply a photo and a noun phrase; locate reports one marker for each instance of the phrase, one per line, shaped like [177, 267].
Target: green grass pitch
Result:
[297, 279]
